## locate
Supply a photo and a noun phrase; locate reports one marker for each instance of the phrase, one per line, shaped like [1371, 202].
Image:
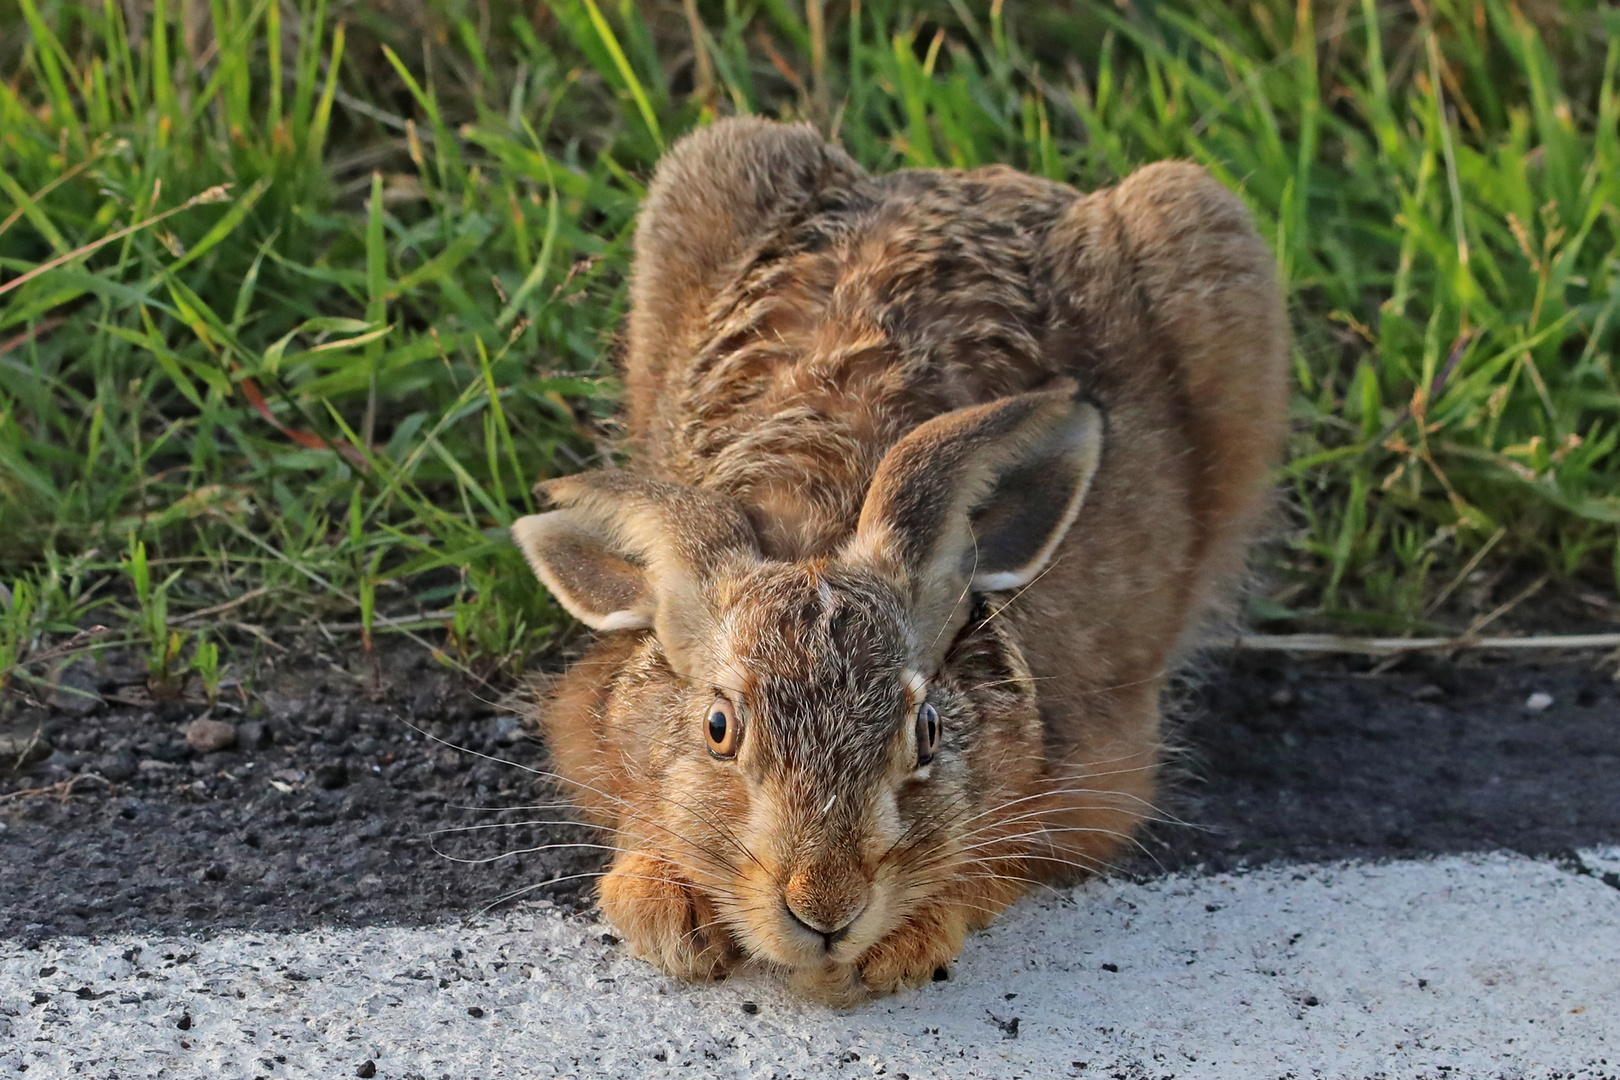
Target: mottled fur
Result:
[857, 403]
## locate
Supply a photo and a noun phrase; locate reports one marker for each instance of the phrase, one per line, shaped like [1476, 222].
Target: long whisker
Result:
[515, 893]
[588, 787]
[1013, 599]
[558, 881]
[526, 851]
[483, 826]
[516, 824]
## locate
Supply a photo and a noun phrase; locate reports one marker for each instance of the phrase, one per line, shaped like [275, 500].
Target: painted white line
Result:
[1480, 966]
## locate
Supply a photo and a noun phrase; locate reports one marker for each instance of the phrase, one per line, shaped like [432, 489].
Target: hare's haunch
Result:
[932, 473]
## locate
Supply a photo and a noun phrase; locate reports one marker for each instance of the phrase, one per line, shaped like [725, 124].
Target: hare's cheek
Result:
[884, 826]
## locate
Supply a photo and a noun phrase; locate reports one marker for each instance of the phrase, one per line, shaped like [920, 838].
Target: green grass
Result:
[304, 300]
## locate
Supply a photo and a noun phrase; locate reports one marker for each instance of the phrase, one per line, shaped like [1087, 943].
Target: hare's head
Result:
[817, 744]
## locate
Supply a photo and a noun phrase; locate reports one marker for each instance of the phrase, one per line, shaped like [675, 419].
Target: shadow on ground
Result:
[1306, 761]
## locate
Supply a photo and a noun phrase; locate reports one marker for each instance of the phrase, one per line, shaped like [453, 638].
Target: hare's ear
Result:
[977, 500]
[623, 552]
[594, 578]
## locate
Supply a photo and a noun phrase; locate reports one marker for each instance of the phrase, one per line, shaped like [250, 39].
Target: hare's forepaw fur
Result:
[667, 921]
[908, 957]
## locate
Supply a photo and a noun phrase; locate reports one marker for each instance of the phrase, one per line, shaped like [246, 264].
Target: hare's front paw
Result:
[667, 921]
[908, 957]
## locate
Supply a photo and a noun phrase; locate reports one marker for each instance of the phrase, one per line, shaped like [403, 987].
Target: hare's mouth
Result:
[827, 940]
[781, 936]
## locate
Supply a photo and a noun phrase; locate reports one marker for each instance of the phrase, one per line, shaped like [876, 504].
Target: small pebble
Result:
[1539, 701]
[367, 1069]
[21, 751]
[1282, 699]
[750, 1007]
[64, 762]
[210, 736]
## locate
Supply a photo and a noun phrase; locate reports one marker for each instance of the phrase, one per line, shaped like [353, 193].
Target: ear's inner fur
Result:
[626, 552]
[604, 588]
[1033, 501]
[977, 500]
[1012, 525]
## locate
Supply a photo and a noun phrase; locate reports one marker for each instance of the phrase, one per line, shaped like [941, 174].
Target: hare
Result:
[932, 476]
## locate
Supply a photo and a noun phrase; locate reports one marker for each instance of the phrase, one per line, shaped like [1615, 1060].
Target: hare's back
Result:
[779, 347]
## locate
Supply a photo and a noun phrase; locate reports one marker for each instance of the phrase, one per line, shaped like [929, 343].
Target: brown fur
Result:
[799, 327]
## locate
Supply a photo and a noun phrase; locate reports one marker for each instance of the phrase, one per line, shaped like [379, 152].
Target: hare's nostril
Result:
[826, 900]
[830, 930]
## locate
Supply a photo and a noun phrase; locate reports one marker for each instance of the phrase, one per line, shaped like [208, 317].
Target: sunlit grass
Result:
[306, 299]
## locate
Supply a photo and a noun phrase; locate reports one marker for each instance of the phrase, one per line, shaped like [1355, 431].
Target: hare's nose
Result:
[826, 903]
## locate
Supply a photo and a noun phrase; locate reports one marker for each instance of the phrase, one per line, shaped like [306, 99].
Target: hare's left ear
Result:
[977, 500]
[625, 552]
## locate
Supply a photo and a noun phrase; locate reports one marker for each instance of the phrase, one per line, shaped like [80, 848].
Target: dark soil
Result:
[325, 811]
[328, 810]
[1308, 761]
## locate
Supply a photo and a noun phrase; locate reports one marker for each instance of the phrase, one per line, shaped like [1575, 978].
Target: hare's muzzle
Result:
[825, 902]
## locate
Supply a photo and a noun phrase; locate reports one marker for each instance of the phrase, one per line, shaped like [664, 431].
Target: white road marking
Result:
[1478, 966]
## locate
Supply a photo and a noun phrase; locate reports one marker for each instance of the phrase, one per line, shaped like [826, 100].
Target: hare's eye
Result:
[722, 729]
[927, 733]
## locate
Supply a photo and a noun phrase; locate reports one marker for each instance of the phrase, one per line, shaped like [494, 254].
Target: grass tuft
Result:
[299, 301]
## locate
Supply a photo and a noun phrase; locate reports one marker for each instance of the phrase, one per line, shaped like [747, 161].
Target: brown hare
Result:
[932, 475]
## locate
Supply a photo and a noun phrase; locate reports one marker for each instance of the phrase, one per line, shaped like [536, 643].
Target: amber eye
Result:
[722, 729]
[927, 733]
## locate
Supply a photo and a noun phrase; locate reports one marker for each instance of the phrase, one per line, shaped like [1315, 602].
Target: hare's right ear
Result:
[623, 552]
[977, 500]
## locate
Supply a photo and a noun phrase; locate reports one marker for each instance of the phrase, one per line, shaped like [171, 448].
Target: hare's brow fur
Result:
[826, 655]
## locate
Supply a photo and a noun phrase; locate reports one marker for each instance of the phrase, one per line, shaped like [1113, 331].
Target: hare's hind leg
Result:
[1168, 303]
[1171, 259]
[716, 194]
